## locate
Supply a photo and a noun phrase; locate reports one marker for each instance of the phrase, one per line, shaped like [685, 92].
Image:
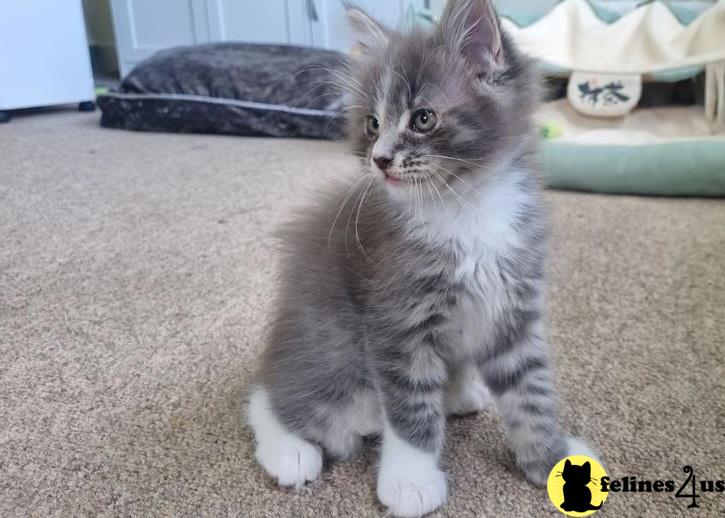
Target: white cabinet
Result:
[329, 26]
[275, 21]
[143, 27]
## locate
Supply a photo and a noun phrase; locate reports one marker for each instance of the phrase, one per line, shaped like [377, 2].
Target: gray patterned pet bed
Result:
[231, 88]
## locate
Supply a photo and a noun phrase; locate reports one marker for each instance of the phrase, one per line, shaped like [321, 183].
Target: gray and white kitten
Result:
[419, 292]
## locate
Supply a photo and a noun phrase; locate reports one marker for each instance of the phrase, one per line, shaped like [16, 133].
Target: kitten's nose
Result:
[383, 162]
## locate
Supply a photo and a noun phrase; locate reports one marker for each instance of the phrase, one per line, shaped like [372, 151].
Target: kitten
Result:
[419, 290]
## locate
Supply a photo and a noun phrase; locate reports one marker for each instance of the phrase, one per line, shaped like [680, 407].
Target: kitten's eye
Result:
[424, 120]
[372, 126]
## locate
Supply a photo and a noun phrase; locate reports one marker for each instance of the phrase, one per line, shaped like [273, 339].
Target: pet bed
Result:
[658, 151]
[608, 136]
[231, 88]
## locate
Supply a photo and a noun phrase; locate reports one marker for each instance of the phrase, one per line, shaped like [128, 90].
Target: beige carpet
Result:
[136, 277]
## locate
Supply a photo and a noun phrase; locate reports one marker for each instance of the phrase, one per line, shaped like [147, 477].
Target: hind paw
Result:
[472, 397]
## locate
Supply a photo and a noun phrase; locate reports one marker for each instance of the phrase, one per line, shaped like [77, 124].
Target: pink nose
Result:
[383, 162]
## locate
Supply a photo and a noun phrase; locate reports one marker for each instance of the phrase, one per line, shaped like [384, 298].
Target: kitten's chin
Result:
[394, 188]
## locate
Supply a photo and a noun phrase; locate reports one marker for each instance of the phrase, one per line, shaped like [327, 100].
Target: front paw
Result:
[412, 492]
[578, 447]
[291, 460]
[538, 472]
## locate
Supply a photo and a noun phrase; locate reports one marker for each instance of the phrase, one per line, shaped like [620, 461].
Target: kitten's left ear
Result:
[370, 32]
[472, 27]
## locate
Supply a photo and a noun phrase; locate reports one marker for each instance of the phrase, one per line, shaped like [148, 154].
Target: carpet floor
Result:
[137, 273]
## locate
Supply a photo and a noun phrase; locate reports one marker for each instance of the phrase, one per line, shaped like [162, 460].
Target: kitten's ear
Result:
[370, 32]
[472, 27]
[567, 464]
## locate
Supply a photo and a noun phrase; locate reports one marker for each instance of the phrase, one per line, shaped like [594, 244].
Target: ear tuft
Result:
[472, 27]
[370, 32]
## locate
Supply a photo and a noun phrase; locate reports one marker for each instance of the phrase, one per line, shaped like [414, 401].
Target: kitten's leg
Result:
[409, 481]
[466, 393]
[284, 455]
[349, 423]
[519, 376]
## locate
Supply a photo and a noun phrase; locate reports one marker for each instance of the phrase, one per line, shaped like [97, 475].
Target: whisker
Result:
[463, 200]
[345, 87]
[349, 219]
[430, 191]
[471, 162]
[336, 72]
[443, 204]
[342, 206]
[458, 178]
[351, 106]
[357, 217]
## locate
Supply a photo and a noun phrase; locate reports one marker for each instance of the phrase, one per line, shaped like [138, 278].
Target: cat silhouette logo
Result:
[574, 485]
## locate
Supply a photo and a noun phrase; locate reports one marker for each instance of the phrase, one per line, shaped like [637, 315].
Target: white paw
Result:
[538, 474]
[412, 493]
[473, 396]
[286, 456]
[292, 461]
[409, 481]
[576, 446]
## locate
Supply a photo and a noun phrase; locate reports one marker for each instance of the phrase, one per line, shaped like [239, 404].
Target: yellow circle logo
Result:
[575, 485]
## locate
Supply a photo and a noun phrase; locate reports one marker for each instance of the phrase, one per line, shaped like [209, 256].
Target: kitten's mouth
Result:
[392, 179]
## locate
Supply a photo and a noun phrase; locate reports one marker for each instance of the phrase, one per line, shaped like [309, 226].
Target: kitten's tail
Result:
[594, 507]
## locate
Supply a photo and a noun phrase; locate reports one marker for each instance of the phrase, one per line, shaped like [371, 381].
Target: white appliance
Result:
[44, 57]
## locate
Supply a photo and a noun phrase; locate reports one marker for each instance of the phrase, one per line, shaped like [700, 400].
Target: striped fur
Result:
[400, 299]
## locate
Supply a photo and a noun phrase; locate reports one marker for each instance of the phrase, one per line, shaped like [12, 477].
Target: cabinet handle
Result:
[312, 10]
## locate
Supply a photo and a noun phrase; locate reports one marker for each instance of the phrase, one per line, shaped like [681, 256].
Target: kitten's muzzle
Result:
[385, 164]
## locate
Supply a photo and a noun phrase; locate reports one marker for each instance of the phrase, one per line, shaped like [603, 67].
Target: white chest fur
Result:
[483, 234]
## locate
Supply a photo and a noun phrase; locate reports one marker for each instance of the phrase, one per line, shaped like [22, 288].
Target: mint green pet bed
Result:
[676, 169]
[667, 151]
[599, 138]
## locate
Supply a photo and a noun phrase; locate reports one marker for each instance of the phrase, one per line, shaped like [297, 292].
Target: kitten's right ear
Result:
[567, 464]
[370, 32]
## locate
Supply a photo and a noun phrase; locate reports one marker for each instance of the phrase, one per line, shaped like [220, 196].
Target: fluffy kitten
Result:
[421, 289]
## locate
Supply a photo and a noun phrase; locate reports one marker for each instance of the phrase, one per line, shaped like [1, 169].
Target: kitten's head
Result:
[447, 105]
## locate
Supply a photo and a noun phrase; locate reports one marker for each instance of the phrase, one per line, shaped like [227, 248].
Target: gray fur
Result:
[375, 311]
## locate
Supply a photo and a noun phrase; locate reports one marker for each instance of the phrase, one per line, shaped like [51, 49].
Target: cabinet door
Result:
[144, 27]
[271, 21]
[329, 26]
